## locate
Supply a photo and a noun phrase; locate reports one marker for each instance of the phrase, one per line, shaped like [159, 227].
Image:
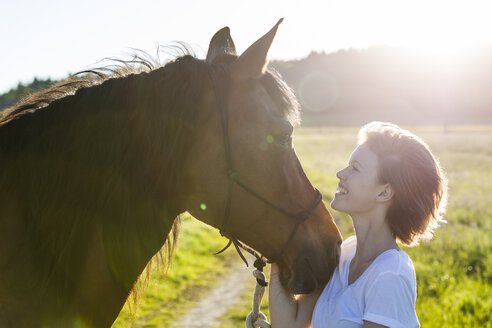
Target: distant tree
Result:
[11, 97]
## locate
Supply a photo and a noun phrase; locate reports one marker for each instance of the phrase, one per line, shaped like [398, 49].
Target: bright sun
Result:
[442, 29]
[446, 30]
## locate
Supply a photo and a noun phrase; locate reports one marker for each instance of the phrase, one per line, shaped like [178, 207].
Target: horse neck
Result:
[92, 186]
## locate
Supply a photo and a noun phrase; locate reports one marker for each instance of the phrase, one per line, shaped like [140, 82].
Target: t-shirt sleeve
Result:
[390, 301]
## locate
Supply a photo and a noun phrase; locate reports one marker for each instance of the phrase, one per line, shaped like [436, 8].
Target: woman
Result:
[395, 191]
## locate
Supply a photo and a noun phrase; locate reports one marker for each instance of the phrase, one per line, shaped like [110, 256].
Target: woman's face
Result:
[358, 187]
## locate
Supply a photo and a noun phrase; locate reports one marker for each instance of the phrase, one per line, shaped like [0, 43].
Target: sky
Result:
[53, 38]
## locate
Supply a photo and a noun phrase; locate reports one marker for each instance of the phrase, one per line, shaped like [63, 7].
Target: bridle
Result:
[234, 178]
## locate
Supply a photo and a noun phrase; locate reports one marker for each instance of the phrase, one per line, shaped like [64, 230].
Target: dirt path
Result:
[207, 312]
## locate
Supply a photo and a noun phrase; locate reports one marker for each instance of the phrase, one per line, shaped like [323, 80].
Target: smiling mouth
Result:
[341, 191]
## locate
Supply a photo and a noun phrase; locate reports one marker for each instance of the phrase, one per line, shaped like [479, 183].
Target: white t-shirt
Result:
[384, 294]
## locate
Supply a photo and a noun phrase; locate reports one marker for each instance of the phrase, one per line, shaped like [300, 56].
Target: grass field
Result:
[454, 270]
[194, 270]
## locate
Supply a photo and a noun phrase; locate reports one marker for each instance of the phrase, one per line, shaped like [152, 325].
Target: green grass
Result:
[454, 270]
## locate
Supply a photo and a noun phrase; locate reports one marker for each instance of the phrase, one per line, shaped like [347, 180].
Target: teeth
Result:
[342, 190]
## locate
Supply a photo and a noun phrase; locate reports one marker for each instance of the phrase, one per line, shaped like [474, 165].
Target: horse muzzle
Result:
[305, 274]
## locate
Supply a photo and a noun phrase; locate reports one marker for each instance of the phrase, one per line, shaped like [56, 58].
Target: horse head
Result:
[244, 175]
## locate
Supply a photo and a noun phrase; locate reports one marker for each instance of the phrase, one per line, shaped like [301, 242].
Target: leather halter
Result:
[234, 178]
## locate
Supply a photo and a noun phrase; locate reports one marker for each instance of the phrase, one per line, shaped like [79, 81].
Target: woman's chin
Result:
[338, 205]
[335, 204]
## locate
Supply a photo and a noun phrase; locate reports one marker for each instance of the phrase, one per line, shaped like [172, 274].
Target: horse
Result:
[95, 172]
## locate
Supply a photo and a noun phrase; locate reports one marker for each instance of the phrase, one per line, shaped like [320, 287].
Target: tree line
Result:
[11, 97]
[352, 87]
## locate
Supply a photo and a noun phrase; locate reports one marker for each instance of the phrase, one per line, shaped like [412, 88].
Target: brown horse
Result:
[94, 173]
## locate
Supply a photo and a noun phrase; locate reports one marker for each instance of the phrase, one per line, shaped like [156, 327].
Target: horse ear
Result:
[252, 63]
[221, 44]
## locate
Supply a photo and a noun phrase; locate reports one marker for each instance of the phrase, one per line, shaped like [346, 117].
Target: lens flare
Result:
[318, 91]
[203, 206]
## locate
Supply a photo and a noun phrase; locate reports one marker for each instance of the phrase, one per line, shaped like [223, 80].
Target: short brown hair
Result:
[419, 184]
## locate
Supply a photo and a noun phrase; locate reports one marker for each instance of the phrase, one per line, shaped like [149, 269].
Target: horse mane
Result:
[139, 62]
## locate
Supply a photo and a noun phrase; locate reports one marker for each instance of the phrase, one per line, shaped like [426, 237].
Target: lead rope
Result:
[256, 318]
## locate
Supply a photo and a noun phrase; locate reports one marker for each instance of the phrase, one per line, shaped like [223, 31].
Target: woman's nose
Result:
[340, 174]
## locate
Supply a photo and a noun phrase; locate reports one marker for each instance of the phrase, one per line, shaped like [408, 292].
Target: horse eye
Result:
[286, 140]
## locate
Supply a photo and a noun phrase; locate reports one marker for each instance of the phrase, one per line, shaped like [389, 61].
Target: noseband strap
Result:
[234, 178]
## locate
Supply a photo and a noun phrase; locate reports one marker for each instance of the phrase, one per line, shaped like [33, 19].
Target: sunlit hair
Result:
[420, 187]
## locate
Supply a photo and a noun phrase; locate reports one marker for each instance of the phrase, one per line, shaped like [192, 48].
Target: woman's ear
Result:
[385, 194]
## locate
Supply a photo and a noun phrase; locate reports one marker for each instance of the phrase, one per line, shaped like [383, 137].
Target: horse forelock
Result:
[286, 103]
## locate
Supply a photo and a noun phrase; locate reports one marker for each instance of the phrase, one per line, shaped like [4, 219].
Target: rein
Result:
[235, 178]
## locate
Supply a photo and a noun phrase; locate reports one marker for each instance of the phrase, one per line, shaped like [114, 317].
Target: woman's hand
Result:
[287, 310]
[282, 305]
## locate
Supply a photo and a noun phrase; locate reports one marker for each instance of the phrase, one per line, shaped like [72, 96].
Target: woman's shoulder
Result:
[391, 291]
[390, 261]
[395, 263]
